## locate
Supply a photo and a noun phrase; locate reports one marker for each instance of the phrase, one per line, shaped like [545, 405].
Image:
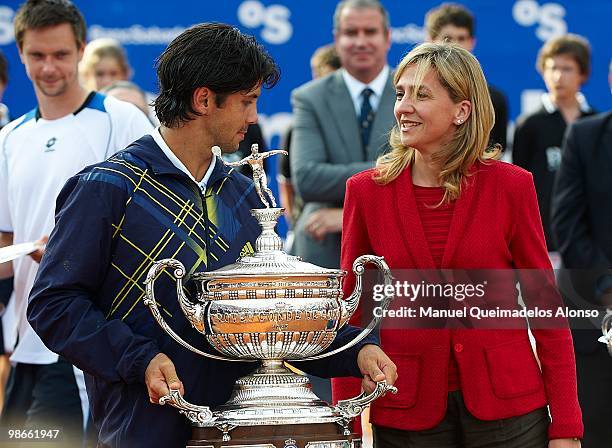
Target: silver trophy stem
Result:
[268, 241]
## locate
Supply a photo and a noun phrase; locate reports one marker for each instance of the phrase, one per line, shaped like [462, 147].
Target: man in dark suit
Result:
[341, 125]
[581, 224]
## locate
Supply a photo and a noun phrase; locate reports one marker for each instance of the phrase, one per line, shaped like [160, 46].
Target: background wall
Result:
[509, 34]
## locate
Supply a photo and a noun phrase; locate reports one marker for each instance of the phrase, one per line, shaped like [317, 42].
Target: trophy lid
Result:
[269, 259]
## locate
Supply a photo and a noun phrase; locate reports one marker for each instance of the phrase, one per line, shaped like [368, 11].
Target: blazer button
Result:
[458, 348]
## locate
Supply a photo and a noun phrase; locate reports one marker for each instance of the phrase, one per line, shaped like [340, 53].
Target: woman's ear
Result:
[464, 110]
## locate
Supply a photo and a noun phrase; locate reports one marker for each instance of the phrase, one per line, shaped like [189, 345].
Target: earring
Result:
[459, 121]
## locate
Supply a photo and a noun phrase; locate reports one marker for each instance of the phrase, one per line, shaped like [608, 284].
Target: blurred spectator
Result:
[70, 128]
[324, 61]
[6, 285]
[129, 92]
[582, 223]
[104, 62]
[564, 63]
[454, 23]
[340, 126]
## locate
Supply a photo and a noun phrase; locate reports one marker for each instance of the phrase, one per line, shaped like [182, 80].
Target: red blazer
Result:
[495, 225]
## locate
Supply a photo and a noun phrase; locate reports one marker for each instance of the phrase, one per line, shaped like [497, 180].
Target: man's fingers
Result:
[367, 384]
[160, 377]
[390, 372]
[172, 380]
[157, 389]
[374, 371]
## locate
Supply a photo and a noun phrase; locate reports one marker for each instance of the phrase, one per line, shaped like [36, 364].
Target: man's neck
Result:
[366, 77]
[568, 106]
[54, 107]
[190, 146]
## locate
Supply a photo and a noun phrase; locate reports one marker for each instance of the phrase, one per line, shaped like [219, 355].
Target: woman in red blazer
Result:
[439, 200]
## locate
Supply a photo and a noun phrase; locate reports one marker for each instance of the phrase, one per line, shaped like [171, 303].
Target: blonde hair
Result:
[95, 51]
[460, 74]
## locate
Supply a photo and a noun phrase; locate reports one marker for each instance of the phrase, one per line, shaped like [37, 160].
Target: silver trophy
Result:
[271, 307]
[606, 329]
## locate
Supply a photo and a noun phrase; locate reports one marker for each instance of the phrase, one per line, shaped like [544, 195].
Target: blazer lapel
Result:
[343, 113]
[461, 215]
[413, 235]
[383, 122]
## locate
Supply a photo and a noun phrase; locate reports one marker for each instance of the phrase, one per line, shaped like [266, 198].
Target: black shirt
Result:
[537, 148]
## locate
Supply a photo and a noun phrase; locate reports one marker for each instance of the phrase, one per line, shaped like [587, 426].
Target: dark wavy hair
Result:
[212, 55]
[37, 14]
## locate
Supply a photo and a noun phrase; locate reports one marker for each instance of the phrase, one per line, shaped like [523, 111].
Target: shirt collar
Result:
[551, 108]
[355, 87]
[177, 162]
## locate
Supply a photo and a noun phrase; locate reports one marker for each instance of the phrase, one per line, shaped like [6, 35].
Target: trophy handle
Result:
[606, 329]
[198, 415]
[193, 312]
[353, 407]
[350, 304]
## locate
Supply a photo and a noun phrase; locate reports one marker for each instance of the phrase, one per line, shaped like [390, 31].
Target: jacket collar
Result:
[551, 108]
[146, 149]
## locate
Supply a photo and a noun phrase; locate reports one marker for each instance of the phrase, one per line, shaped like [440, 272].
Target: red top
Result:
[436, 220]
[495, 225]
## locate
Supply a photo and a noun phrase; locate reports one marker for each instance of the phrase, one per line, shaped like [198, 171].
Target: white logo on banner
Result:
[410, 33]
[137, 34]
[277, 28]
[549, 17]
[6, 25]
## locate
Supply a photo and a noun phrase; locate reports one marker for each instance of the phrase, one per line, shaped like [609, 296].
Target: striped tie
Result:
[366, 117]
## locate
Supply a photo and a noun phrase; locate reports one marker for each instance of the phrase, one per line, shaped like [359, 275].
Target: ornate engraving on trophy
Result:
[330, 444]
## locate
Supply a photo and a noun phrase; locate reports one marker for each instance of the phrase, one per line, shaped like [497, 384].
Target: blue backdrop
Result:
[509, 34]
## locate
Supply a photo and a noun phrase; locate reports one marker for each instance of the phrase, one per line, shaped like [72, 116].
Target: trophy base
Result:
[315, 435]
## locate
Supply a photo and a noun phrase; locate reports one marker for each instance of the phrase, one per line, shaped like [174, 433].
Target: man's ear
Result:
[21, 55]
[202, 100]
[80, 51]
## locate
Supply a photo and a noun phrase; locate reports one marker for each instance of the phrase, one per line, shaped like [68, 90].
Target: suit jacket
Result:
[326, 150]
[582, 219]
[495, 225]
